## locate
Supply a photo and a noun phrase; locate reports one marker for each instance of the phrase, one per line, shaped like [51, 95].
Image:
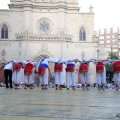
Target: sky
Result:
[106, 12]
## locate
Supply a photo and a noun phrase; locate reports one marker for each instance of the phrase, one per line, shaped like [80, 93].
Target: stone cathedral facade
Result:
[57, 28]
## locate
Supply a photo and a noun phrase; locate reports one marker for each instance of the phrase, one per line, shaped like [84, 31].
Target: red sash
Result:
[58, 68]
[116, 67]
[41, 70]
[70, 69]
[83, 68]
[17, 67]
[28, 69]
[99, 67]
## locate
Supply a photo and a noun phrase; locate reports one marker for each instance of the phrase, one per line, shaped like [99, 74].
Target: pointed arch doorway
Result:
[2, 64]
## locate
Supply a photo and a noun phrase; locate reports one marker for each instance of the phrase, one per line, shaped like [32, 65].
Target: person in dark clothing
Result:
[8, 73]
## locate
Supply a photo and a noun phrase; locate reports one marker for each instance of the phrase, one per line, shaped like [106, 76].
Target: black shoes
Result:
[7, 86]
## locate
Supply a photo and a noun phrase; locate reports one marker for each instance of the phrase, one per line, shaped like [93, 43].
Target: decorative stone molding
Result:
[49, 4]
[2, 62]
[83, 54]
[5, 43]
[40, 56]
[30, 36]
[44, 47]
[3, 52]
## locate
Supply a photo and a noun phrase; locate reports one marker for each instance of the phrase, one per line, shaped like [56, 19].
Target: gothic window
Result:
[4, 32]
[82, 34]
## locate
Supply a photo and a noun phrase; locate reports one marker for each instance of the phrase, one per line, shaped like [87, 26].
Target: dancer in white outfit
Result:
[101, 72]
[84, 72]
[28, 73]
[70, 74]
[17, 74]
[58, 72]
[116, 72]
[42, 70]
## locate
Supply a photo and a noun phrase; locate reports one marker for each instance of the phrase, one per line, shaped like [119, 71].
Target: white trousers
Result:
[17, 76]
[29, 79]
[101, 77]
[116, 78]
[70, 78]
[44, 78]
[58, 78]
[85, 77]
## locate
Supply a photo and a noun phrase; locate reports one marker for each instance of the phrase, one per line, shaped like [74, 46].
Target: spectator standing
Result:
[8, 73]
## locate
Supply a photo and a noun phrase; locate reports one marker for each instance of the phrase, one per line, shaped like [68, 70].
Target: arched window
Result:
[82, 34]
[4, 32]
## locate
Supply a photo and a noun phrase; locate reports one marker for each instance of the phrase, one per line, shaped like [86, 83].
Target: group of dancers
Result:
[14, 69]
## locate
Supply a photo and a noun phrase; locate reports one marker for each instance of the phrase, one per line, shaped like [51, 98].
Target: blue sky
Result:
[106, 12]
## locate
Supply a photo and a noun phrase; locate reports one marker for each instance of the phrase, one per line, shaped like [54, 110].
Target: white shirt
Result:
[84, 61]
[9, 66]
[61, 60]
[45, 61]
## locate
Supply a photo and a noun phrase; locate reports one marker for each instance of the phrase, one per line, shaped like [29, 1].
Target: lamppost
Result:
[98, 51]
[98, 54]
[83, 55]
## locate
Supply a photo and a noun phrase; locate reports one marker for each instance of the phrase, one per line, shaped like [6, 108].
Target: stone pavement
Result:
[51, 104]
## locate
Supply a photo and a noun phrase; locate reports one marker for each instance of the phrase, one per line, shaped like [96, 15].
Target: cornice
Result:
[30, 36]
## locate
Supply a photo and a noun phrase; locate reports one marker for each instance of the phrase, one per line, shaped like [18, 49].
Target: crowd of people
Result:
[14, 68]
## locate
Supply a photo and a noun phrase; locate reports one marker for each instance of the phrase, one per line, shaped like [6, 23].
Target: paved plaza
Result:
[51, 104]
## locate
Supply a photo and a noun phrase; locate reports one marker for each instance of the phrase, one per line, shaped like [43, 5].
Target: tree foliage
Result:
[113, 56]
[109, 69]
